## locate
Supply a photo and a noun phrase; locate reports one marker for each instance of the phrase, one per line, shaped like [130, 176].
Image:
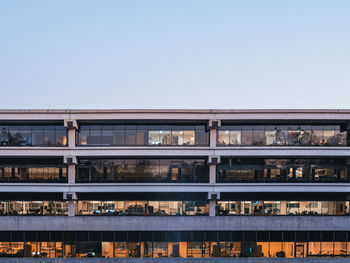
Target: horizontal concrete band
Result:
[175, 260]
[185, 187]
[189, 223]
[177, 151]
[178, 114]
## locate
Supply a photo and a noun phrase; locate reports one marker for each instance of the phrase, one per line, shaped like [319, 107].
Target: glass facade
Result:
[33, 173]
[33, 135]
[289, 208]
[271, 244]
[33, 208]
[174, 249]
[142, 171]
[175, 208]
[252, 170]
[281, 135]
[143, 208]
[143, 135]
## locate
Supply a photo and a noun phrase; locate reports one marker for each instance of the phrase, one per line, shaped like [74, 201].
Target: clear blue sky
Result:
[175, 54]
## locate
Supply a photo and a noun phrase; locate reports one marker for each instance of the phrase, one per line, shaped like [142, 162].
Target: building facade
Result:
[175, 185]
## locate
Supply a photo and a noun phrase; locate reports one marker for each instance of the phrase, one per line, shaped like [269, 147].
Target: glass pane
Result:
[247, 135]
[154, 138]
[107, 137]
[189, 138]
[165, 137]
[178, 137]
[224, 137]
[259, 135]
[118, 137]
[317, 135]
[130, 137]
[270, 135]
[37, 136]
[235, 137]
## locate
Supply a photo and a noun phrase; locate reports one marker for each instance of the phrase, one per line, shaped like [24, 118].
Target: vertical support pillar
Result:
[71, 126]
[71, 208]
[213, 161]
[213, 197]
[212, 205]
[70, 198]
[213, 126]
[212, 173]
[213, 135]
[71, 162]
[71, 138]
[71, 174]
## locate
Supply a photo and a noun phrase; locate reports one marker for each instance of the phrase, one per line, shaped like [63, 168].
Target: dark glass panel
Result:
[37, 136]
[317, 135]
[282, 170]
[130, 136]
[259, 135]
[49, 136]
[143, 170]
[95, 136]
[61, 136]
[282, 135]
[118, 137]
[107, 137]
[247, 135]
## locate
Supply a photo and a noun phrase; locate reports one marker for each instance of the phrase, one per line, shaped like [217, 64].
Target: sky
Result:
[63, 54]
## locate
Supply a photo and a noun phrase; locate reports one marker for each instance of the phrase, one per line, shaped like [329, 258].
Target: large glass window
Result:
[143, 170]
[282, 170]
[153, 135]
[33, 208]
[290, 208]
[281, 135]
[32, 170]
[33, 135]
[143, 208]
[186, 244]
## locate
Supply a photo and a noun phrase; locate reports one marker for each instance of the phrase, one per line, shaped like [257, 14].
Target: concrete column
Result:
[71, 173]
[212, 173]
[71, 138]
[212, 205]
[213, 138]
[213, 125]
[71, 208]
[71, 125]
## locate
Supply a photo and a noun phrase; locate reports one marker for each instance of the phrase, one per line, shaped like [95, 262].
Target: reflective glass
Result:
[281, 135]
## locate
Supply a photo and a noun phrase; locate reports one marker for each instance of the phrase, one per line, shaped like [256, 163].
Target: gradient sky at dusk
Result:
[175, 54]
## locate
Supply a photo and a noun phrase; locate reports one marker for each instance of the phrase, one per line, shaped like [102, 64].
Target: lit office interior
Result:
[191, 244]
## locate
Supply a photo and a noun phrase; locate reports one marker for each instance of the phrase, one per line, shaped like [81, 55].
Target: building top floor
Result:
[178, 114]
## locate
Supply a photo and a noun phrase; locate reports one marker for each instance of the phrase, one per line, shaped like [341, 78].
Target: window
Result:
[154, 138]
[142, 170]
[224, 137]
[281, 135]
[247, 135]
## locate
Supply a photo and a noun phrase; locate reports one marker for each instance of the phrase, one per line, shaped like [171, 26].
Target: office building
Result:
[175, 185]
